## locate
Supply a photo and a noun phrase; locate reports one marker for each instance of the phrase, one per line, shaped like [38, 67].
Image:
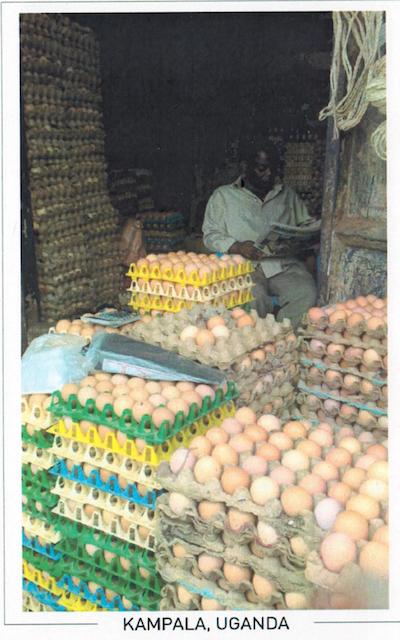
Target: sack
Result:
[131, 244]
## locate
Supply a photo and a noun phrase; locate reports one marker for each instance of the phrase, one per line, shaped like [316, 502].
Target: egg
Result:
[104, 399]
[238, 520]
[207, 563]
[192, 397]
[295, 429]
[215, 321]
[326, 511]
[295, 460]
[225, 454]
[62, 326]
[179, 551]
[379, 470]
[365, 505]
[309, 448]
[231, 426]
[281, 440]
[205, 338]
[326, 470]
[141, 409]
[208, 604]
[337, 550]
[170, 392]
[295, 600]
[374, 558]
[200, 446]
[263, 489]
[241, 443]
[208, 510]
[295, 500]
[86, 393]
[104, 386]
[269, 423]
[182, 459]
[375, 488]
[245, 416]
[216, 436]
[322, 437]
[339, 457]
[162, 414]
[255, 433]
[254, 465]
[68, 390]
[378, 451]
[177, 406]
[282, 475]
[266, 534]
[236, 574]
[263, 588]
[184, 596]
[312, 483]
[245, 321]
[237, 312]
[381, 534]
[353, 524]
[89, 381]
[206, 469]
[179, 503]
[340, 492]
[299, 546]
[204, 390]
[139, 394]
[233, 479]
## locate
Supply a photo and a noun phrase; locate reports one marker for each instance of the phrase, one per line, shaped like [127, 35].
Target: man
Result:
[240, 214]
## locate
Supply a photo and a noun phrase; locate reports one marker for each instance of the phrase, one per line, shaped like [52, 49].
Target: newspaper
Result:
[285, 240]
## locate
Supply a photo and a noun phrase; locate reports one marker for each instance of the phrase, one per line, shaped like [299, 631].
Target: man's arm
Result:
[216, 236]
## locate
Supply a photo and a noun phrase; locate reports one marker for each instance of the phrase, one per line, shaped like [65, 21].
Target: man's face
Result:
[260, 172]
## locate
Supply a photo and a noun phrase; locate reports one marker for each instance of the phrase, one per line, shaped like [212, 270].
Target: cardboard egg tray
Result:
[39, 457]
[146, 429]
[306, 363]
[94, 481]
[135, 472]
[171, 602]
[372, 408]
[196, 294]
[40, 599]
[150, 302]
[149, 455]
[360, 329]
[96, 521]
[180, 277]
[366, 342]
[136, 514]
[48, 549]
[336, 388]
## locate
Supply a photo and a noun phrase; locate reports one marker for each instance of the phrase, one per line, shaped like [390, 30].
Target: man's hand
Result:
[247, 250]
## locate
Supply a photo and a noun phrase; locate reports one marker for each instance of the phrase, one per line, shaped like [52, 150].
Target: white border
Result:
[301, 622]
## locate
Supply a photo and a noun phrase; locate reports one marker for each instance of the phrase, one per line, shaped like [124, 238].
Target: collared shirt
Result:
[235, 214]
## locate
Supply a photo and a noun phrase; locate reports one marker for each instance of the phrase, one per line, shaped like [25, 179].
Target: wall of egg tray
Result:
[248, 552]
[168, 290]
[163, 231]
[343, 374]
[90, 501]
[75, 225]
[262, 359]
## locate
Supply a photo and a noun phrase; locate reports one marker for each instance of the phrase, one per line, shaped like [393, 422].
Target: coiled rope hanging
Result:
[357, 38]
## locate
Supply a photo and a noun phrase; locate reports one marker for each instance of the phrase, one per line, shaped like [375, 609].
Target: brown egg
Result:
[216, 436]
[122, 403]
[206, 469]
[379, 470]
[205, 391]
[200, 446]
[263, 489]
[282, 475]
[179, 551]
[263, 587]
[170, 392]
[86, 393]
[353, 524]
[378, 451]
[295, 429]
[365, 505]
[176, 406]
[245, 416]
[354, 478]
[68, 390]
[337, 550]
[157, 400]
[104, 386]
[339, 457]
[299, 546]
[351, 444]
[140, 409]
[281, 440]
[313, 484]
[236, 574]
[364, 462]
[162, 414]
[322, 437]
[207, 510]
[381, 534]
[139, 394]
[89, 381]
[340, 492]
[103, 399]
[295, 500]
[326, 470]
[309, 448]
[296, 600]
[120, 390]
[184, 596]
[234, 478]
[192, 397]
[255, 466]
[375, 488]
[245, 321]
[225, 454]
[208, 604]
[207, 563]
[295, 460]
[241, 443]
[237, 312]
[374, 558]
[269, 423]
[269, 452]
[238, 521]
[136, 383]
[215, 321]
[102, 375]
[204, 338]
[255, 433]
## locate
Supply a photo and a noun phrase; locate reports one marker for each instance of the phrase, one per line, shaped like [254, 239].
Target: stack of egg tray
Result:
[262, 359]
[75, 225]
[163, 231]
[327, 356]
[168, 290]
[109, 530]
[122, 185]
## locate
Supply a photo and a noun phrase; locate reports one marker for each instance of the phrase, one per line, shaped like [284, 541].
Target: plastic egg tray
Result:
[40, 438]
[135, 472]
[36, 416]
[48, 583]
[98, 597]
[149, 302]
[113, 528]
[47, 549]
[38, 599]
[40, 457]
[145, 430]
[73, 602]
[93, 480]
[194, 279]
[37, 527]
[197, 294]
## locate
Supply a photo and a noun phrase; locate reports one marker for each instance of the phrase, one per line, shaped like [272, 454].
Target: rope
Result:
[365, 79]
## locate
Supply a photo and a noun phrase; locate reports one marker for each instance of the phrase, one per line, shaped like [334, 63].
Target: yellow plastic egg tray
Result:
[152, 455]
[150, 302]
[194, 279]
[95, 521]
[135, 513]
[196, 294]
[40, 457]
[72, 602]
[36, 527]
[133, 471]
[37, 577]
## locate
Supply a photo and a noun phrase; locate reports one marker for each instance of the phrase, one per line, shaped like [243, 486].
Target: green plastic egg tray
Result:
[41, 439]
